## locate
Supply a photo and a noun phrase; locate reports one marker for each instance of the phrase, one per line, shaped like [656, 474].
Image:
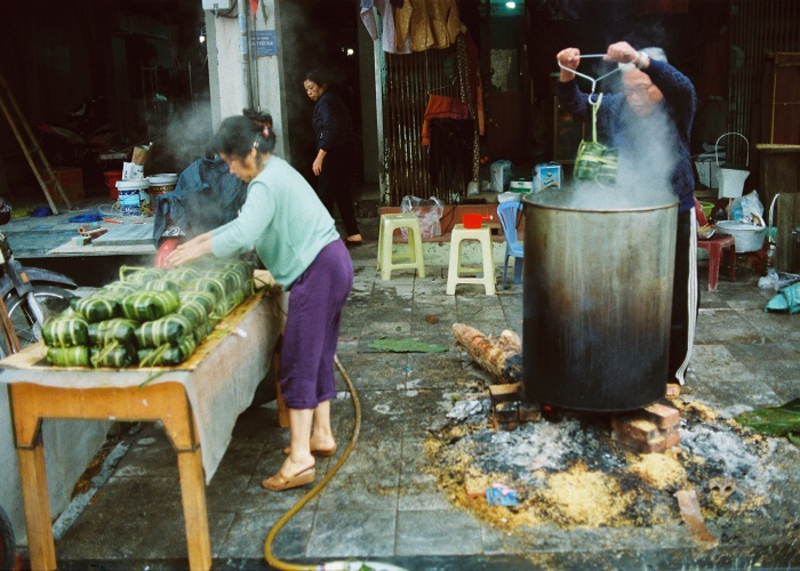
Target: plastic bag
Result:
[752, 211]
[428, 210]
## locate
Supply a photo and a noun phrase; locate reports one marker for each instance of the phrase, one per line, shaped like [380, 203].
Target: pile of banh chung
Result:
[150, 317]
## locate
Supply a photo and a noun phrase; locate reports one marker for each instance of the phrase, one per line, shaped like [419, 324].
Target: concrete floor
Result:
[383, 505]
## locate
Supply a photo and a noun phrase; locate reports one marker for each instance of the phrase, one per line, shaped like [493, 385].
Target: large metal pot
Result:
[598, 277]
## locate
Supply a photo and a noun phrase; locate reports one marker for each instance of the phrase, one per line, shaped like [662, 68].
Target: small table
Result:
[197, 401]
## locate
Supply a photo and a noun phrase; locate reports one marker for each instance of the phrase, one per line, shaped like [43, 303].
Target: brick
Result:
[506, 411]
[663, 416]
[635, 428]
[505, 392]
[502, 426]
[666, 440]
[529, 412]
[673, 390]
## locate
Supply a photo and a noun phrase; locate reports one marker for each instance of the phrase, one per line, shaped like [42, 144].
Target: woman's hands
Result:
[569, 58]
[195, 248]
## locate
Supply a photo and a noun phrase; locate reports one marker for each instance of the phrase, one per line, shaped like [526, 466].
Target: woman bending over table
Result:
[296, 239]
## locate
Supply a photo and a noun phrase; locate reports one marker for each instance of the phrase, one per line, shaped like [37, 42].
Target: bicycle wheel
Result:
[52, 299]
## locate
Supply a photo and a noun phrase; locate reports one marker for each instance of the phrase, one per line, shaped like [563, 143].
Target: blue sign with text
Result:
[264, 43]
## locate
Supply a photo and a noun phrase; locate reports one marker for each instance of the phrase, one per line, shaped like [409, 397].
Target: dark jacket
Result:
[331, 122]
[616, 121]
[206, 196]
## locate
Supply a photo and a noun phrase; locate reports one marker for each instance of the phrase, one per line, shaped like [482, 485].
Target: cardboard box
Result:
[71, 180]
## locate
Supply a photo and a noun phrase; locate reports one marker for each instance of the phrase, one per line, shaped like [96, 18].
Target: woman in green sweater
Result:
[295, 237]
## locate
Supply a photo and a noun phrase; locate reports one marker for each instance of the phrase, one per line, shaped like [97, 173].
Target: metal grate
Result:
[758, 28]
[408, 82]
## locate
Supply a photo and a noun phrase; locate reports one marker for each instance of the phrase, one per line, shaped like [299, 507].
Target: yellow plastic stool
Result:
[413, 259]
[455, 269]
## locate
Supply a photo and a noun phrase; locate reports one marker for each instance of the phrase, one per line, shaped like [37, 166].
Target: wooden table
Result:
[239, 348]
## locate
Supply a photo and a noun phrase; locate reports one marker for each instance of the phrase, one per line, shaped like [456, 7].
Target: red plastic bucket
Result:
[111, 178]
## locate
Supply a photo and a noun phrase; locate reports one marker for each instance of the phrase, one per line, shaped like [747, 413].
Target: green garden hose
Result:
[332, 565]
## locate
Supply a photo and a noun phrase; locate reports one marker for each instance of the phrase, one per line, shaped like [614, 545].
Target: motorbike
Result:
[31, 296]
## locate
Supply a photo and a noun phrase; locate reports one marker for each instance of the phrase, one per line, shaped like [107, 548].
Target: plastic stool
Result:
[386, 261]
[457, 236]
[714, 246]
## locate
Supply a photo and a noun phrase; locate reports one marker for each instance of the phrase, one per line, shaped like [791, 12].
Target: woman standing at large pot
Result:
[656, 106]
[296, 239]
[335, 151]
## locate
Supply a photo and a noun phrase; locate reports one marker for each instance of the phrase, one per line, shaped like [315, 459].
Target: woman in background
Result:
[296, 239]
[335, 149]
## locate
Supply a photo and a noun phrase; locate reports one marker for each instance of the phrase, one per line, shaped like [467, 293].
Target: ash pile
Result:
[514, 462]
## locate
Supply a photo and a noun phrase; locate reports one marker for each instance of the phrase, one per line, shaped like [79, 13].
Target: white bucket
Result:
[731, 180]
[160, 184]
[130, 196]
[749, 237]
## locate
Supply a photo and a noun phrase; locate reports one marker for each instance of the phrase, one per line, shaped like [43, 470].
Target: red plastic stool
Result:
[715, 245]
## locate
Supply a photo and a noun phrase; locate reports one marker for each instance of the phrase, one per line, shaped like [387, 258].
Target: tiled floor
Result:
[383, 505]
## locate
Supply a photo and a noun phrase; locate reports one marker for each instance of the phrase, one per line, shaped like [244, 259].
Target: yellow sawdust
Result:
[584, 497]
[660, 470]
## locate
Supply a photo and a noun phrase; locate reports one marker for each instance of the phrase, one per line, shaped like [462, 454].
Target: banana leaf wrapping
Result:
[65, 331]
[194, 311]
[161, 284]
[595, 161]
[140, 274]
[149, 305]
[68, 356]
[214, 286]
[167, 355]
[202, 331]
[204, 298]
[231, 279]
[232, 301]
[119, 289]
[170, 329]
[181, 275]
[117, 330]
[114, 355]
[96, 308]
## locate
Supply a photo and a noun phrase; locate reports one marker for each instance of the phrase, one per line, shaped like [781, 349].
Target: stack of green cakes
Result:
[150, 317]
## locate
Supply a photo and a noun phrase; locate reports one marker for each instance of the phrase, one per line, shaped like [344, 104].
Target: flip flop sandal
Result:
[279, 483]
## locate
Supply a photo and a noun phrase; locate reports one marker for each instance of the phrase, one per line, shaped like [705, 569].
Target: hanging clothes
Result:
[388, 34]
[450, 154]
[441, 107]
[427, 23]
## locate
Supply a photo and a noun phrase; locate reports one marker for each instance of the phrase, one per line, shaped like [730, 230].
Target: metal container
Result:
[598, 274]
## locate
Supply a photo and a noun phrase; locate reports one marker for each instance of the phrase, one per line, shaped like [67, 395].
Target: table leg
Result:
[36, 502]
[193, 497]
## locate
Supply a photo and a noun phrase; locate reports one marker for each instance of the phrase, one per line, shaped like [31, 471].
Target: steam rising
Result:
[648, 154]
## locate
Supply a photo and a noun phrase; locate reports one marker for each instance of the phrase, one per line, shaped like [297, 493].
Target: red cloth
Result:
[442, 107]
